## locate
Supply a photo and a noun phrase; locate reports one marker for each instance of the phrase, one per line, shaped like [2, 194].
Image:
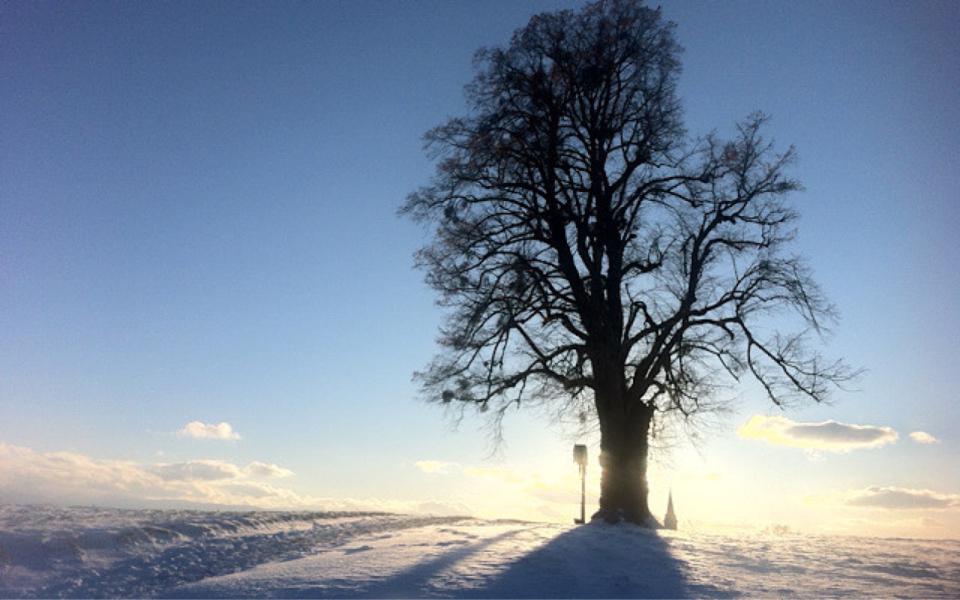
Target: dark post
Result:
[580, 457]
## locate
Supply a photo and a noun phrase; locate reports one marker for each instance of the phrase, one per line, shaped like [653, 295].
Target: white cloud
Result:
[436, 466]
[262, 469]
[922, 437]
[894, 498]
[197, 470]
[256, 490]
[828, 435]
[211, 431]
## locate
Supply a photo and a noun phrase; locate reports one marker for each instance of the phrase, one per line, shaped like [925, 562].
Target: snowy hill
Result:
[88, 552]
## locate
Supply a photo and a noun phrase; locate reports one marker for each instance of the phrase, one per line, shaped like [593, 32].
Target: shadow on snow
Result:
[594, 561]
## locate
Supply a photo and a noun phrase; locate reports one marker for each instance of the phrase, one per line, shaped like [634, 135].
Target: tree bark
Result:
[623, 460]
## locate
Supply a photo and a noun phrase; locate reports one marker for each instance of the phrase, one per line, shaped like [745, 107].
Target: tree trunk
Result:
[623, 459]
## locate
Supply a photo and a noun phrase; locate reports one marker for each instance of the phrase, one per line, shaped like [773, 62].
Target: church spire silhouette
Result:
[670, 520]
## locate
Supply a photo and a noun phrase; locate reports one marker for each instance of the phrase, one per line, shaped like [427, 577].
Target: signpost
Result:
[580, 457]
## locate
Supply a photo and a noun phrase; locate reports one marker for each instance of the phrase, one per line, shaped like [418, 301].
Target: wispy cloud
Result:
[436, 466]
[828, 435]
[209, 431]
[895, 498]
[266, 470]
[549, 493]
[922, 437]
[501, 474]
[505, 474]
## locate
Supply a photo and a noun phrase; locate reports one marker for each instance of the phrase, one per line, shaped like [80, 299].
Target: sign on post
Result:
[580, 455]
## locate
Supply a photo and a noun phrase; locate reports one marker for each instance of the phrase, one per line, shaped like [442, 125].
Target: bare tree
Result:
[587, 252]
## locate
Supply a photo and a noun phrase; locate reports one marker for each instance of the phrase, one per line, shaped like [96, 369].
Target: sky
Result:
[207, 298]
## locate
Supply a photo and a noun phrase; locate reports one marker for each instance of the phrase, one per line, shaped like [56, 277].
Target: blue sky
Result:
[197, 223]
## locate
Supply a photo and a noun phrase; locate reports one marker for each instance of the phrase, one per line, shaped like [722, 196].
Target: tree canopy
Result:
[588, 250]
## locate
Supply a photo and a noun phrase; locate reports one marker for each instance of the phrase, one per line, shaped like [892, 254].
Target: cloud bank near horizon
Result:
[894, 498]
[71, 478]
[830, 436]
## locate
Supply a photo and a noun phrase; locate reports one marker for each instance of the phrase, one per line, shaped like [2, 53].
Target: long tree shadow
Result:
[412, 582]
[596, 561]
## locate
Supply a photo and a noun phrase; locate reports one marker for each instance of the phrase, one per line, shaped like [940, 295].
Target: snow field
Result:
[87, 552]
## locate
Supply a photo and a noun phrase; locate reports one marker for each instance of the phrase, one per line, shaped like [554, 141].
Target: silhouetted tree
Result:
[587, 251]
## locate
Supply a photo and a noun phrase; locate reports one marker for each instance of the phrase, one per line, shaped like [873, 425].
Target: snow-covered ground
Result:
[89, 552]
